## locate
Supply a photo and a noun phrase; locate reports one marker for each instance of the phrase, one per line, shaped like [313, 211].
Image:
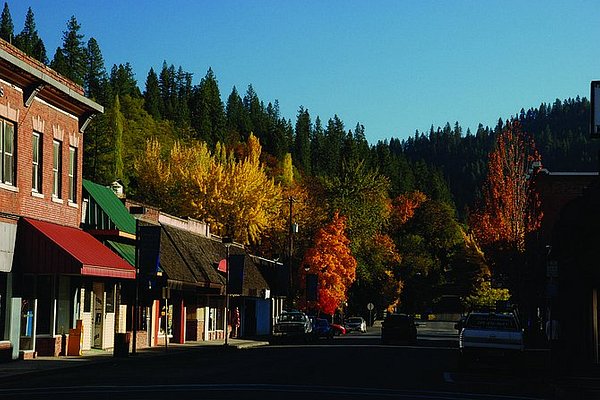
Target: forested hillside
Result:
[175, 141]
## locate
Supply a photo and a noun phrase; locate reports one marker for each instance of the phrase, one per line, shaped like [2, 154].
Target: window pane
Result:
[56, 169]
[9, 135]
[72, 173]
[35, 167]
[8, 170]
[36, 145]
[55, 155]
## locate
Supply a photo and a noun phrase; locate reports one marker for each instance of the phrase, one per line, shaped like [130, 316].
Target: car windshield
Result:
[492, 322]
[291, 318]
[354, 320]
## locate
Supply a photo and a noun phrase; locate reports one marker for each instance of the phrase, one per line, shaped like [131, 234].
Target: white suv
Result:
[490, 333]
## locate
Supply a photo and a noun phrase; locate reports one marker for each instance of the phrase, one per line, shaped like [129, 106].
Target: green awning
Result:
[126, 251]
[112, 206]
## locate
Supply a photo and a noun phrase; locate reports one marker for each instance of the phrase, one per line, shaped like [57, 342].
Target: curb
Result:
[250, 345]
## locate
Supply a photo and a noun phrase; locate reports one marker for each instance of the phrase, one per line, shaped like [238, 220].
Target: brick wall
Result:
[52, 124]
[49, 346]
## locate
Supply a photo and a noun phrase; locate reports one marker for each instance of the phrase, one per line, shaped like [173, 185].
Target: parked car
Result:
[490, 334]
[322, 329]
[292, 325]
[398, 327]
[356, 324]
[338, 329]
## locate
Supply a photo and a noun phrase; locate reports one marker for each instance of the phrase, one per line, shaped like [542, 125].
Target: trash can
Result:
[74, 343]
[121, 348]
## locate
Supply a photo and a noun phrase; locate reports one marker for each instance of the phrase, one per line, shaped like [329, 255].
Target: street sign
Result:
[370, 306]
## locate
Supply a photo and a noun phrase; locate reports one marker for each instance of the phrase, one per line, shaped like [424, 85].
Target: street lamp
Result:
[227, 241]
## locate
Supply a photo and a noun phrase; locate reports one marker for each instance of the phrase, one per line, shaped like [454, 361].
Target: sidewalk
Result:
[40, 364]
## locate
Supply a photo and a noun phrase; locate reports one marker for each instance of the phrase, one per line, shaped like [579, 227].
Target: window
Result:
[7, 152]
[56, 168]
[72, 174]
[36, 171]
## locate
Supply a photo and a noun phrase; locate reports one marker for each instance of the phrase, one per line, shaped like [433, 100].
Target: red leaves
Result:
[330, 258]
[404, 206]
[510, 207]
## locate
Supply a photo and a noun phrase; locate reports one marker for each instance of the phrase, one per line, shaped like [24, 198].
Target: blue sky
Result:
[394, 66]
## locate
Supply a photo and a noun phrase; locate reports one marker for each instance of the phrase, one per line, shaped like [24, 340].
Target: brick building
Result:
[52, 274]
[564, 282]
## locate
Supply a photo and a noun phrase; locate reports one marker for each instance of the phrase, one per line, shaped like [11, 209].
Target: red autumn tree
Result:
[331, 260]
[510, 208]
[404, 206]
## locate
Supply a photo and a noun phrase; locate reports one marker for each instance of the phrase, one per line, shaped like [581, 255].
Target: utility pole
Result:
[291, 201]
[227, 241]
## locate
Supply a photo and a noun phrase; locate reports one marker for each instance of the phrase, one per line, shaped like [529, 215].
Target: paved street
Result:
[351, 366]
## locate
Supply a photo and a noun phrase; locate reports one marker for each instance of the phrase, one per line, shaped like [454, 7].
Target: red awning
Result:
[44, 247]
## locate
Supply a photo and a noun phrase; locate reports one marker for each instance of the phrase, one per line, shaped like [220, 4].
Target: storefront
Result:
[67, 284]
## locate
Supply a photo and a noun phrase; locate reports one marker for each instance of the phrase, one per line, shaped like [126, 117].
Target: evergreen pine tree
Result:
[96, 79]
[7, 28]
[29, 41]
[236, 116]
[208, 116]
[70, 60]
[122, 81]
[302, 141]
[166, 82]
[316, 147]
[152, 95]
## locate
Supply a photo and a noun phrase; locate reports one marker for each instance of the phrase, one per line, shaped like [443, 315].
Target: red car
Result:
[338, 329]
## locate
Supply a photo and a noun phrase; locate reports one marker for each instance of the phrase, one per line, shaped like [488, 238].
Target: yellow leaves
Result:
[234, 196]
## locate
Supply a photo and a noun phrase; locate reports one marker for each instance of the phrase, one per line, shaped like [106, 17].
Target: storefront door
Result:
[98, 314]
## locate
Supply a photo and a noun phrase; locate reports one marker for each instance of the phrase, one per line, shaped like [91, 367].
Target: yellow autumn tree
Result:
[236, 197]
[244, 200]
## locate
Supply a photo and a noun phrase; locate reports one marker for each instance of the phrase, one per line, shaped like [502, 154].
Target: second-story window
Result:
[56, 168]
[72, 174]
[7, 152]
[36, 171]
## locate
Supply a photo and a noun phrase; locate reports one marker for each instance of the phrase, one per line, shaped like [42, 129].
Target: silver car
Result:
[356, 324]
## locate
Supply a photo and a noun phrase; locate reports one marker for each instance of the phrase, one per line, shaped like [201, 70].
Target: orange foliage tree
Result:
[510, 208]
[405, 205]
[331, 260]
